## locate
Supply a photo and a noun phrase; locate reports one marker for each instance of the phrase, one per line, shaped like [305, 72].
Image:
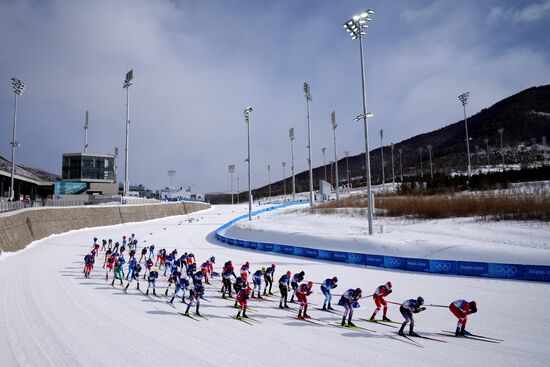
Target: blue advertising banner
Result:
[506, 271]
[442, 267]
[374, 260]
[393, 262]
[421, 265]
[475, 269]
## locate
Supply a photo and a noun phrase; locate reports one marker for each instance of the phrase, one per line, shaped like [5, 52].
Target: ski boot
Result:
[300, 315]
[343, 323]
[372, 317]
[238, 317]
[245, 315]
[457, 332]
[350, 324]
[137, 287]
[306, 316]
[286, 306]
[166, 293]
[330, 307]
[401, 330]
[147, 292]
[154, 292]
[281, 305]
[386, 319]
[127, 285]
[324, 308]
[412, 333]
[172, 300]
[197, 312]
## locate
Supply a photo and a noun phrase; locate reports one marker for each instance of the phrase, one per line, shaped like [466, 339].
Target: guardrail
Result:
[447, 267]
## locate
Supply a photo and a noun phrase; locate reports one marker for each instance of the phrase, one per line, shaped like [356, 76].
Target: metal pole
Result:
[324, 162]
[292, 168]
[13, 146]
[86, 134]
[487, 150]
[464, 99]
[367, 154]
[308, 99]
[500, 131]
[382, 158]
[238, 192]
[269, 180]
[336, 168]
[284, 182]
[126, 182]
[392, 167]
[347, 165]
[249, 187]
[431, 166]
[232, 202]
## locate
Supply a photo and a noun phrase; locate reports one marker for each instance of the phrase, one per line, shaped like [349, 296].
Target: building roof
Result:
[30, 174]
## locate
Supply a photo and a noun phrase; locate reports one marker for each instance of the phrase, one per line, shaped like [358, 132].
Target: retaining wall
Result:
[447, 267]
[20, 228]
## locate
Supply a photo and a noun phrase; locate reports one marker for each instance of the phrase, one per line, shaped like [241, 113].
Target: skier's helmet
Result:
[309, 284]
[420, 301]
[358, 292]
[388, 285]
[273, 266]
[288, 273]
[335, 280]
[247, 263]
[473, 306]
[263, 270]
[95, 238]
[244, 276]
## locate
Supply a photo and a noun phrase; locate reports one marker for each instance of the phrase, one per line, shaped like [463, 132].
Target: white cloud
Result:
[531, 13]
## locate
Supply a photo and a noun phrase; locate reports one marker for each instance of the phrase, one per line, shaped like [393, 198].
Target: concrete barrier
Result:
[18, 229]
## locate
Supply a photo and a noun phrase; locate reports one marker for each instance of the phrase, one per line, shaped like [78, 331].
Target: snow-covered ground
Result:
[467, 239]
[50, 315]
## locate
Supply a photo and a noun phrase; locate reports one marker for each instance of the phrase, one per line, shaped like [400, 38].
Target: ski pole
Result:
[432, 305]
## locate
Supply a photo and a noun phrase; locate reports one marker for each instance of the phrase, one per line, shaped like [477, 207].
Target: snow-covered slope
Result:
[50, 315]
[467, 239]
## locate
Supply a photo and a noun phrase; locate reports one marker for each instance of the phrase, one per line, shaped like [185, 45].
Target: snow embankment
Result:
[466, 239]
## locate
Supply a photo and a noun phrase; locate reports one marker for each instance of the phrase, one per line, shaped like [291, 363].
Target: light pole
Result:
[307, 94]
[464, 99]
[486, 141]
[429, 146]
[347, 165]
[238, 192]
[400, 150]
[420, 153]
[127, 84]
[334, 126]
[86, 133]
[18, 88]
[291, 136]
[269, 181]
[231, 169]
[382, 158]
[330, 164]
[392, 167]
[284, 182]
[171, 174]
[323, 149]
[355, 28]
[501, 131]
[247, 111]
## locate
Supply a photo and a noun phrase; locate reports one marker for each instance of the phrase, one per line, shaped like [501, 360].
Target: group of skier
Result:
[187, 279]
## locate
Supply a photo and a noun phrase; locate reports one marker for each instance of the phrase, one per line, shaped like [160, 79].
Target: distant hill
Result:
[525, 118]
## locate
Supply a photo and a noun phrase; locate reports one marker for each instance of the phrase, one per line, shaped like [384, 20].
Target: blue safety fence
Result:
[539, 273]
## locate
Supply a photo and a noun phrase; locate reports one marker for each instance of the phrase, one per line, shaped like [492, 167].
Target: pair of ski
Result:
[193, 317]
[382, 322]
[410, 338]
[471, 336]
[249, 320]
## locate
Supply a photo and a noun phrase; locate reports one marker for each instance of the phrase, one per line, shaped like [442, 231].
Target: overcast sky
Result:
[197, 64]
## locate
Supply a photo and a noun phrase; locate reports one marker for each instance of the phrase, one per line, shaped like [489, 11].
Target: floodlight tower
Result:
[307, 94]
[291, 137]
[269, 182]
[18, 88]
[323, 149]
[382, 158]
[86, 133]
[231, 170]
[126, 85]
[464, 99]
[392, 166]
[247, 111]
[284, 182]
[356, 27]
[347, 165]
[334, 126]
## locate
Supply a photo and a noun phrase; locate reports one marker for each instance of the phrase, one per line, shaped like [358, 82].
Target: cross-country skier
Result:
[349, 300]
[461, 309]
[205, 269]
[284, 281]
[110, 244]
[227, 272]
[245, 268]
[107, 256]
[168, 264]
[407, 309]
[268, 277]
[103, 244]
[131, 265]
[161, 258]
[191, 269]
[195, 295]
[96, 249]
[173, 279]
[302, 292]
[135, 276]
[119, 274]
[242, 298]
[148, 267]
[110, 263]
[182, 285]
[378, 297]
[191, 259]
[151, 251]
[240, 283]
[151, 280]
[257, 281]
[122, 261]
[326, 287]
[296, 279]
[143, 254]
[89, 261]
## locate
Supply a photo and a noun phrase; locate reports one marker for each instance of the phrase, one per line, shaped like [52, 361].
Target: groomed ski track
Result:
[50, 315]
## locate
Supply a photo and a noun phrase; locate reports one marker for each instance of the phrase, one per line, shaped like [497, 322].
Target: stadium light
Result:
[247, 111]
[18, 88]
[127, 83]
[464, 99]
[307, 94]
[334, 126]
